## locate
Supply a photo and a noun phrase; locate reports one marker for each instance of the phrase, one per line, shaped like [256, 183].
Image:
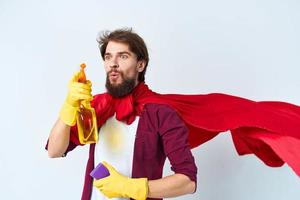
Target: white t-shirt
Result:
[115, 146]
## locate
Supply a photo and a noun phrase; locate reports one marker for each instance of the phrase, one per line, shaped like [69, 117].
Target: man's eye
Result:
[106, 57]
[124, 56]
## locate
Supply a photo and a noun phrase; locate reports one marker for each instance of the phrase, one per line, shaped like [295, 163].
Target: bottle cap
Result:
[82, 77]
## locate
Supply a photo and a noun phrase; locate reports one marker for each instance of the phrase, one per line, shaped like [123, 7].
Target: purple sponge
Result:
[100, 172]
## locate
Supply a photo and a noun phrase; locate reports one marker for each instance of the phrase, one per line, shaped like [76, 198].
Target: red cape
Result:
[270, 130]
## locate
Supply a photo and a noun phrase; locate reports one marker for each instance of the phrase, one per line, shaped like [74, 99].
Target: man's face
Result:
[122, 69]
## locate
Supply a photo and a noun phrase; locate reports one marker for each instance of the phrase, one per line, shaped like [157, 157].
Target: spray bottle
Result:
[86, 118]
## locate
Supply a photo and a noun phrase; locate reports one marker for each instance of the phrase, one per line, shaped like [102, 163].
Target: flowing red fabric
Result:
[268, 129]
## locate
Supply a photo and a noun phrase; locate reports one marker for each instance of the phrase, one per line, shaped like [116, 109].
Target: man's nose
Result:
[114, 63]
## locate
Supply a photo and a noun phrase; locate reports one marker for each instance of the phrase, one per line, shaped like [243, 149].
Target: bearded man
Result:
[139, 129]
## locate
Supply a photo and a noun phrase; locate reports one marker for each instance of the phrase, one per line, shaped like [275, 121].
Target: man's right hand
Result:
[76, 92]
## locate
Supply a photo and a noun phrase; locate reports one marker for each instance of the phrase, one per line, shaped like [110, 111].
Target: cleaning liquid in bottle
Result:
[87, 123]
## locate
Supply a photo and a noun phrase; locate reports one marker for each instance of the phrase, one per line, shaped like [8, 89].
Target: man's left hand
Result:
[118, 185]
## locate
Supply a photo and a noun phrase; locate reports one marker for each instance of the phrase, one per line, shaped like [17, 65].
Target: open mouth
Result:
[114, 76]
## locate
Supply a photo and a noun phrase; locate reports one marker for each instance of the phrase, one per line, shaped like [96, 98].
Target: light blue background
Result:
[244, 48]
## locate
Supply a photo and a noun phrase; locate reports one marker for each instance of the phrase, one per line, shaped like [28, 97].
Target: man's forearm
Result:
[171, 186]
[58, 139]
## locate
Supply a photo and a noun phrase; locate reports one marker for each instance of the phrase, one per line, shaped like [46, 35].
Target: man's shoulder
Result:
[161, 116]
[99, 98]
[159, 109]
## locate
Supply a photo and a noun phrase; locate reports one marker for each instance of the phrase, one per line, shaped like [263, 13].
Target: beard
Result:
[122, 89]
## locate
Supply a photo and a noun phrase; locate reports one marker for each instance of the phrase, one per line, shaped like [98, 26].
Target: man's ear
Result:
[141, 65]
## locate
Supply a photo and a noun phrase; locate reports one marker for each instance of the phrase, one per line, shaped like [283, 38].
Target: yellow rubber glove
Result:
[76, 93]
[117, 185]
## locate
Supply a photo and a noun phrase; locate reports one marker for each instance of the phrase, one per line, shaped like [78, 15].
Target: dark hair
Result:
[134, 41]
